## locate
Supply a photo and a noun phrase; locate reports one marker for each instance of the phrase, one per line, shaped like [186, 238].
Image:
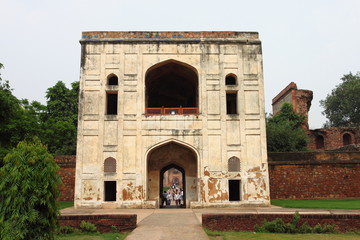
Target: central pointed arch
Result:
[171, 83]
[163, 156]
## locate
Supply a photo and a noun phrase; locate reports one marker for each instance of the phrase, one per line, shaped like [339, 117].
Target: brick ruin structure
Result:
[322, 139]
[152, 101]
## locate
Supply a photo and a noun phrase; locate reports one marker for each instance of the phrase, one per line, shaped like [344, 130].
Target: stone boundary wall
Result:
[306, 175]
[246, 222]
[67, 175]
[123, 222]
[314, 175]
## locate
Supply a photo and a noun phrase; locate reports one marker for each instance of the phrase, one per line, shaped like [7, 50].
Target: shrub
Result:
[66, 230]
[29, 187]
[88, 227]
[114, 229]
[279, 226]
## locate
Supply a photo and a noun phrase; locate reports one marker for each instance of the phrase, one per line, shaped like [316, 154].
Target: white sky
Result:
[312, 43]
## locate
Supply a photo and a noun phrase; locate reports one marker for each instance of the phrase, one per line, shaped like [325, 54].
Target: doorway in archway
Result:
[183, 160]
[172, 187]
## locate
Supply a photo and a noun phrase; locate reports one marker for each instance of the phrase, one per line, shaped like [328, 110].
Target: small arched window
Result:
[347, 139]
[319, 141]
[110, 165]
[112, 80]
[230, 79]
[234, 164]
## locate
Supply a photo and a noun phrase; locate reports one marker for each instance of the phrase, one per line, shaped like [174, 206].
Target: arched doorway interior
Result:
[167, 156]
[172, 180]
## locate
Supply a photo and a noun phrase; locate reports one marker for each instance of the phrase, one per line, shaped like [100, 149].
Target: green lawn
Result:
[91, 236]
[318, 203]
[65, 204]
[278, 236]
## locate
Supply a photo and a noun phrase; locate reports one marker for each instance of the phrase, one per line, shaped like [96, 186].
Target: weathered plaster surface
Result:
[143, 144]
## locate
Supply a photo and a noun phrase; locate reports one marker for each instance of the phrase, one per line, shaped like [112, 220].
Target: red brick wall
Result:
[123, 222]
[246, 222]
[292, 175]
[67, 175]
[314, 175]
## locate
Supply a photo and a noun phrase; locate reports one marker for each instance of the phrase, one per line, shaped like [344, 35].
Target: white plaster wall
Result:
[213, 135]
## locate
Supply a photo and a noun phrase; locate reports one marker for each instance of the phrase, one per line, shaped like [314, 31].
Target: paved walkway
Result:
[186, 223]
[165, 224]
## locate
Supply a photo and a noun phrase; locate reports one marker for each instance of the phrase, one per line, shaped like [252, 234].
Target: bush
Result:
[29, 187]
[114, 229]
[279, 226]
[88, 227]
[66, 230]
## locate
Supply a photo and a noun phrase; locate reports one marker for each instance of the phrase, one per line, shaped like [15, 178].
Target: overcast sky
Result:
[312, 43]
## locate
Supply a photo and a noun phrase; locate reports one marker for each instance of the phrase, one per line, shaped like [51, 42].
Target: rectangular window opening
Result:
[234, 190]
[231, 106]
[110, 191]
[111, 101]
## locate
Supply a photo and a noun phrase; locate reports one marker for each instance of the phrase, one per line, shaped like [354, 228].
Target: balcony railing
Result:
[172, 111]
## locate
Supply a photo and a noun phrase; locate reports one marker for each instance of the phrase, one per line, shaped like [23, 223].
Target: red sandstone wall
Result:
[67, 175]
[314, 175]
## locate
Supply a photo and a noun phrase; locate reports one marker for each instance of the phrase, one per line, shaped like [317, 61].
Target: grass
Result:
[65, 204]
[91, 236]
[278, 236]
[318, 203]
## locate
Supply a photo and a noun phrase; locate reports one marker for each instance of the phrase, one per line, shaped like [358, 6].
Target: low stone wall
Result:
[246, 222]
[123, 222]
[314, 175]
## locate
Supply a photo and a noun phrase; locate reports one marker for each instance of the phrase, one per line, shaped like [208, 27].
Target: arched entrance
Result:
[172, 182]
[172, 155]
[171, 84]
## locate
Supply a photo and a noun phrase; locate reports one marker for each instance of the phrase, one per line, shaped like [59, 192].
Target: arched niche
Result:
[110, 165]
[171, 84]
[319, 142]
[234, 164]
[347, 139]
[230, 79]
[112, 80]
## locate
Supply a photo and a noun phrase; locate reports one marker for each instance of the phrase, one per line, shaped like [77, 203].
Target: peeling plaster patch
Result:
[88, 190]
[215, 192]
[131, 192]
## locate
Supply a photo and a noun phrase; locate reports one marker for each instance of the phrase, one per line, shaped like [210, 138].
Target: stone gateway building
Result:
[154, 101]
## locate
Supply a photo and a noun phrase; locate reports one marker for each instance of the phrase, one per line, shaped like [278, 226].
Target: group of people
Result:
[172, 197]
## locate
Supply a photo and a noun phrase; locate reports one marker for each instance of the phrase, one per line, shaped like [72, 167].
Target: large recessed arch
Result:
[172, 153]
[171, 83]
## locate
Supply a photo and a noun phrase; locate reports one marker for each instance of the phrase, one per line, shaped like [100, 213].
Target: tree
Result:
[284, 132]
[55, 124]
[9, 110]
[60, 120]
[28, 191]
[342, 106]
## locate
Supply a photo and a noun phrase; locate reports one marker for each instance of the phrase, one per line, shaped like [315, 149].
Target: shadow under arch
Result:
[171, 83]
[168, 167]
[172, 153]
